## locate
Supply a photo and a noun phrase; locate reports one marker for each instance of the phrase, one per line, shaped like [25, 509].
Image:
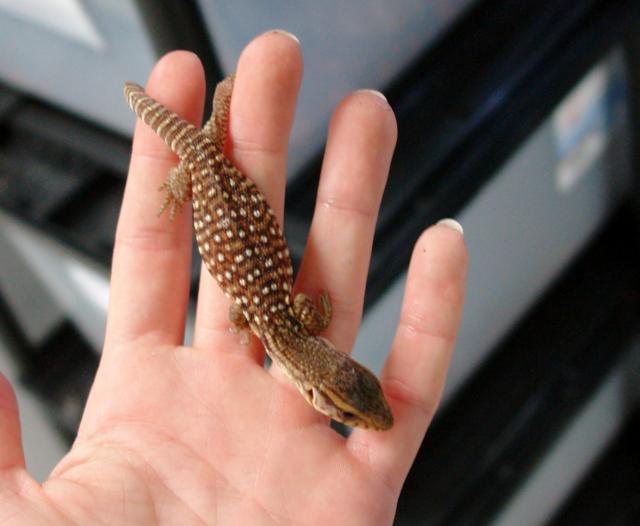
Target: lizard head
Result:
[351, 394]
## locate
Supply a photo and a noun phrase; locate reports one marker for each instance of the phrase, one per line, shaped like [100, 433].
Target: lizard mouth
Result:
[324, 404]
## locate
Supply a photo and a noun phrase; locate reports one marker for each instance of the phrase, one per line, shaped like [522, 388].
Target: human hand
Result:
[204, 434]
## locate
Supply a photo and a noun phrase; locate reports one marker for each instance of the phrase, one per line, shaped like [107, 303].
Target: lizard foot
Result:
[177, 189]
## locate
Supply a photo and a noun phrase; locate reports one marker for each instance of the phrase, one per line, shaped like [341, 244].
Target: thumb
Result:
[11, 454]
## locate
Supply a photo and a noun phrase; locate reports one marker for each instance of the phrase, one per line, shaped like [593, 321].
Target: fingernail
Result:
[451, 223]
[287, 34]
[374, 92]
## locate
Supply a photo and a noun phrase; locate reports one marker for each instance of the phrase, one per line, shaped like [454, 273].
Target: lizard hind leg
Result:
[314, 319]
[177, 189]
[217, 125]
[239, 323]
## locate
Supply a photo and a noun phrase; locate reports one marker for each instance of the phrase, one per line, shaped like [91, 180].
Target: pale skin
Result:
[204, 434]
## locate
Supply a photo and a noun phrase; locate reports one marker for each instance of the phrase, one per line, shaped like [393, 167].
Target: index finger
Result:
[151, 262]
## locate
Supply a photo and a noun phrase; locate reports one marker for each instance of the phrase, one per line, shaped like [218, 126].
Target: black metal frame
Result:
[60, 368]
[609, 494]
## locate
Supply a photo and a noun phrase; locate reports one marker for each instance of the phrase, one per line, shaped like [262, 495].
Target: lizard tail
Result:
[173, 129]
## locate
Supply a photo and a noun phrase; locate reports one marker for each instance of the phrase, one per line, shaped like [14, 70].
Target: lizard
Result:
[243, 248]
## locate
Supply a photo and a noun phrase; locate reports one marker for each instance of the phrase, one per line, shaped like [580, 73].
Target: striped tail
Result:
[173, 129]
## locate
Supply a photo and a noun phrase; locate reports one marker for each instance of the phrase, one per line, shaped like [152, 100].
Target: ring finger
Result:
[362, 136]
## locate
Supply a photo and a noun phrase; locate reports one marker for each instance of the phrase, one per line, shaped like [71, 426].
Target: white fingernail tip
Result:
[451, 223]
[287, 34]
[374, 92]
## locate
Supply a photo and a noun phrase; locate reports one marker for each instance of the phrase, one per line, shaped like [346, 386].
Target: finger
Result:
[362, 137]
[262, 108]
[11, 453]
[151, 261]
[414, 375]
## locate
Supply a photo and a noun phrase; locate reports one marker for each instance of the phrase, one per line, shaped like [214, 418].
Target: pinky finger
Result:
[11, 453]
[415, 372]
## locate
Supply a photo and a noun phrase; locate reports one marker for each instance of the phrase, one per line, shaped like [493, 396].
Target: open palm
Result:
[204, 434]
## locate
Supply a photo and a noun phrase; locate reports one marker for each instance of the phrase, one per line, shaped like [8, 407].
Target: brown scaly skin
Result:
[244, 249]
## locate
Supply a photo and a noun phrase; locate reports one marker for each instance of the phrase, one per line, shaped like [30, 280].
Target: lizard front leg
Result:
[314, 319]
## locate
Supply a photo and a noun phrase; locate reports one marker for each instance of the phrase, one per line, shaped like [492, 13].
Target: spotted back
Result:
[240, 240]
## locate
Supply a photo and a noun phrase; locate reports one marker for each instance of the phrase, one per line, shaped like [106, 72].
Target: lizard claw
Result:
[177, 190]
[170, 201]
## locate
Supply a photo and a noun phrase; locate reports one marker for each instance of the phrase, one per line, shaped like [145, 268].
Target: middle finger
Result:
[262, 108]
[362, 137]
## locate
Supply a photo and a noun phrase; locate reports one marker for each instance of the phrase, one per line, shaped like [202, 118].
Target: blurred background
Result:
[520, 119]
